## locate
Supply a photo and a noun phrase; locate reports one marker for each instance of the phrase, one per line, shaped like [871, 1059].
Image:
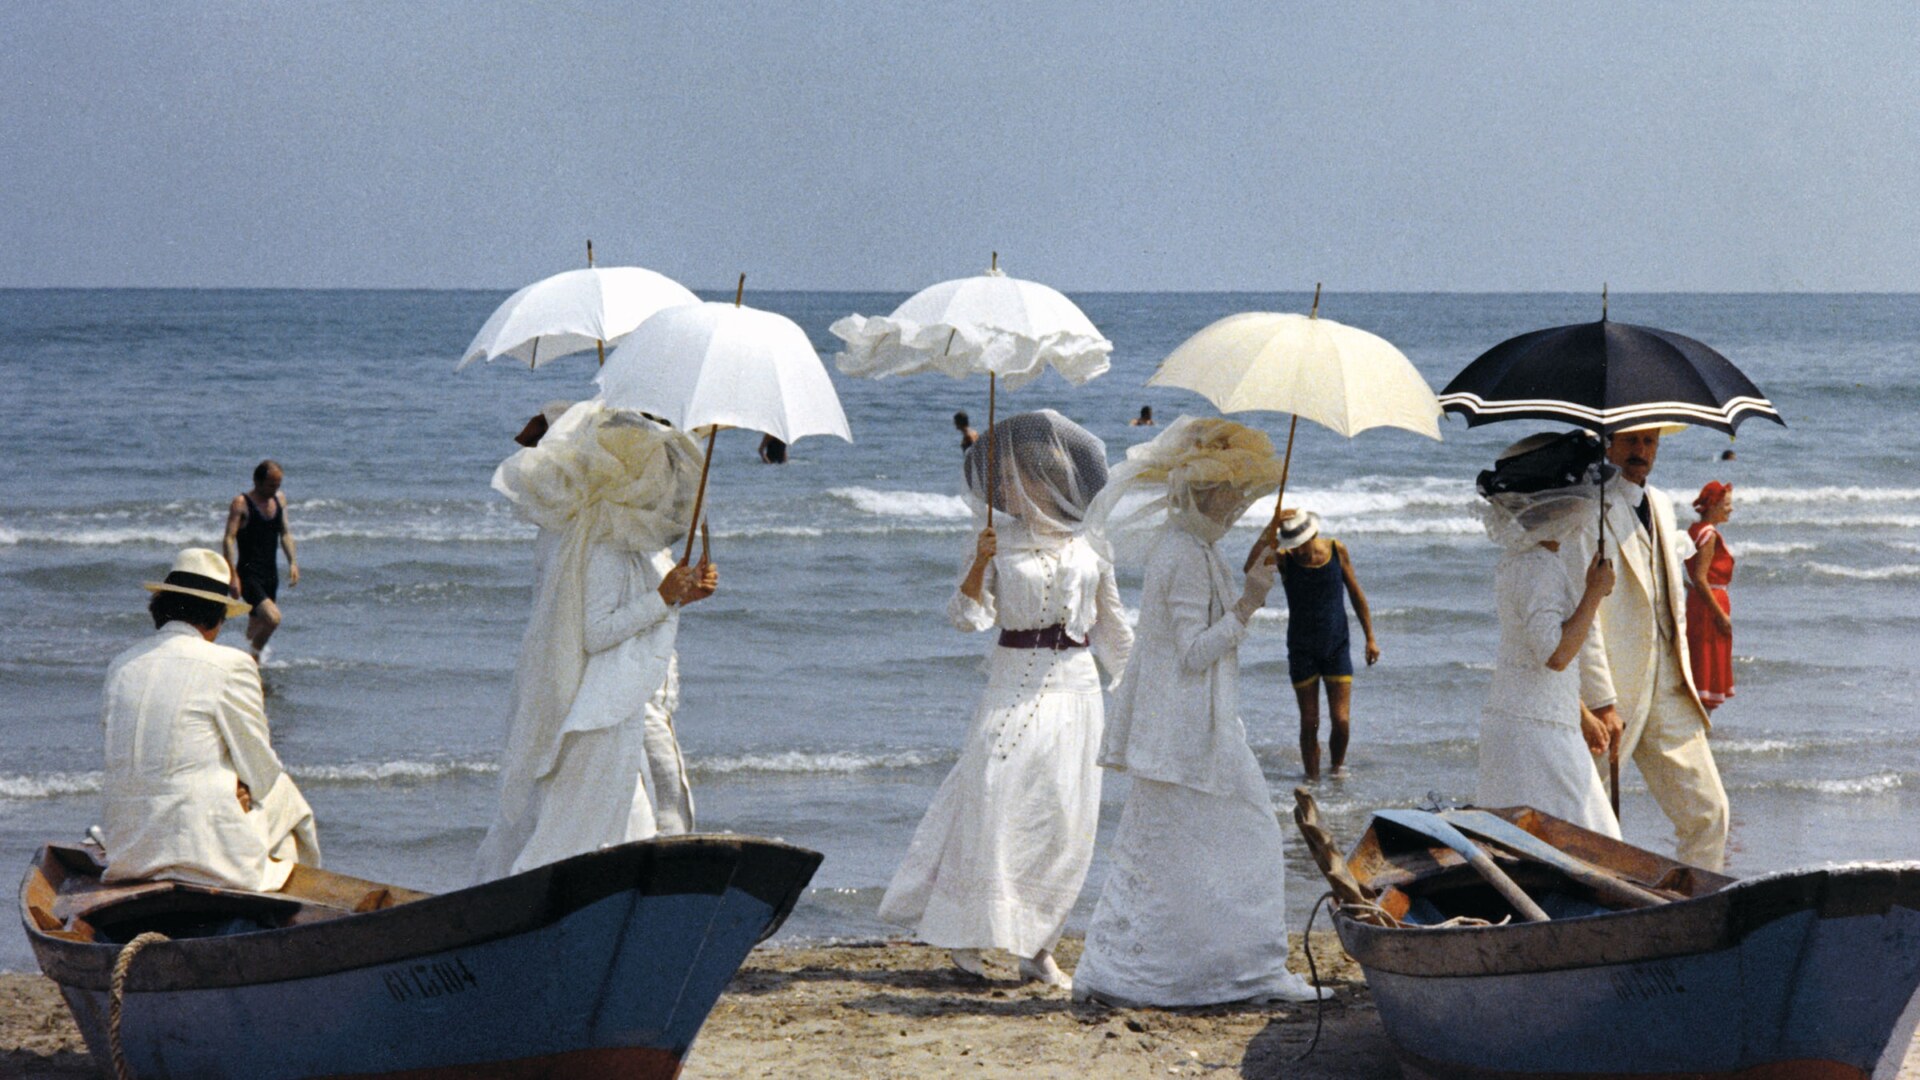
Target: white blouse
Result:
[1035, 586]
[1534, 593]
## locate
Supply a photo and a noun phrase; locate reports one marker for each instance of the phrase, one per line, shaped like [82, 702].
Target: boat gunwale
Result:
[700, 864]
[1702, 924]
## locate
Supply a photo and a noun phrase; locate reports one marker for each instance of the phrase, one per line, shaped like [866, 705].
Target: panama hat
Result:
[1296, 528]
[1663, 427]
[203, 574]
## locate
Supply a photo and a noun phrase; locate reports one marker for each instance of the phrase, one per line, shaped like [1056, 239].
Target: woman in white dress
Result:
[590, 758]
[1537, 742]
[1194, 907]
[999, 858]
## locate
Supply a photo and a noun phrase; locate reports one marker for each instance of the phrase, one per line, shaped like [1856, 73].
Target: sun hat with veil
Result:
[1200, 475]
[1544, 488]
[1049, 471]
[599, 477]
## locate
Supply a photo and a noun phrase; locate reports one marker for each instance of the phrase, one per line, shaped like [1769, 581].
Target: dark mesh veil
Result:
[1049, 469]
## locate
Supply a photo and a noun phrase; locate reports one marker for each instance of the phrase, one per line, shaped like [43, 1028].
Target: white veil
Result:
[1200, 475]
[1050, 469]
[599, 476]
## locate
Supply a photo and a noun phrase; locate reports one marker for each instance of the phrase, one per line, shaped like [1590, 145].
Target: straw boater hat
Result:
[1296, 528]
[203, 574]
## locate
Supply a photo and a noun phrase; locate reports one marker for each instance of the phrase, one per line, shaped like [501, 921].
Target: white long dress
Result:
[1003, 849]
[1194, 908]
[591, 781]
[1531, 750]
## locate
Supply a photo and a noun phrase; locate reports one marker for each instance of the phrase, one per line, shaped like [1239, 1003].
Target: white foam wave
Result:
[1862, 573]
[378, 772]
[801, 761]
[1748, 547]
[1878, 784]
[1744, 494]
[49, 785]
[910, 504]
[1834, 521]
[54, 785]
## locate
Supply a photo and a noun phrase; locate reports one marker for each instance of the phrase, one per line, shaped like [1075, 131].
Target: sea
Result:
[825, 693]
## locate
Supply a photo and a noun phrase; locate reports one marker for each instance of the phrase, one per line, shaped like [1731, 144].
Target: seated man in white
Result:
[194, 790]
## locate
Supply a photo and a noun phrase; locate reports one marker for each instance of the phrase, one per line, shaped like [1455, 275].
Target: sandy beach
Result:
[901, 1010]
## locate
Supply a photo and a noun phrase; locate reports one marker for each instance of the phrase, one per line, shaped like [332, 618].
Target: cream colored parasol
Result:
[1338, 376]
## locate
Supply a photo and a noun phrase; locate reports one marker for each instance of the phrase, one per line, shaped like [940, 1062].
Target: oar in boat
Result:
[1434, 827]
[1523, 843]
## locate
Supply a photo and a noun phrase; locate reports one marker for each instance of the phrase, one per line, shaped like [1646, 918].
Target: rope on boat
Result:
[1313, 971]
[121, 965]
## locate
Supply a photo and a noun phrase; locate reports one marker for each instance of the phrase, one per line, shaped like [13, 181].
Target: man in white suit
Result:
[194, 790]
[1634, 671]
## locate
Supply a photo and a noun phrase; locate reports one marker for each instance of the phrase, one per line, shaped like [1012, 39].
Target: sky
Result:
[1096, 146]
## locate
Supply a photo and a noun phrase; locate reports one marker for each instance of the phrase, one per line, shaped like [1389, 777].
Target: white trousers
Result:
[1669, 744]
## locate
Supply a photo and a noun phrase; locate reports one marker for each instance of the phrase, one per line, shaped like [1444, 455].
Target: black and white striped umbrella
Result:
[1606, 376]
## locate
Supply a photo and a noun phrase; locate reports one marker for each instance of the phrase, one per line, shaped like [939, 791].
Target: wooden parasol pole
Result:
[599, 346]
[1272, 533]
[993, 386]
[700, 497]
[993, 476]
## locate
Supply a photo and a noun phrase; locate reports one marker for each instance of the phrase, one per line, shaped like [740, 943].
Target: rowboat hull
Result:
[600, 966]
[1810, 974]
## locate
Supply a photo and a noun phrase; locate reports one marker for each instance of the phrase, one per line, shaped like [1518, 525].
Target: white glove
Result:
[1253, 596]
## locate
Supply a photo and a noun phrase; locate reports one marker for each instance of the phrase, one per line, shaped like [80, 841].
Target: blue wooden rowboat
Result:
[603, 965]
[1811, 974]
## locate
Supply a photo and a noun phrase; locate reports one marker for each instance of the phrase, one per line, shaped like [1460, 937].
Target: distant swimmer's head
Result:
[961, 422]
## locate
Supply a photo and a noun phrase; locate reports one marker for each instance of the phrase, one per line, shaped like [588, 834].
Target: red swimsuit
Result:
[1711, 648]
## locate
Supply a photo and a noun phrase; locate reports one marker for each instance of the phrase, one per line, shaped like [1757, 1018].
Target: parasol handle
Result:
[1315, 313]
[740, 290]
[993, 477]
[1270, 536]
[700, 497]
[589, 254]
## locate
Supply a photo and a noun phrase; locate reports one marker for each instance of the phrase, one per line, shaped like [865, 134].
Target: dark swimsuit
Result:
[1316, 620]
[255, 541]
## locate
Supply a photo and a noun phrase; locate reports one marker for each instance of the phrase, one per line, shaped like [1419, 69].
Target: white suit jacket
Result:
[184, 720]
[1175, 716]
[1617, 666]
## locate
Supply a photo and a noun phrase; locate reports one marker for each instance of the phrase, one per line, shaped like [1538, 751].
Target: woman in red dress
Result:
[1709, 612]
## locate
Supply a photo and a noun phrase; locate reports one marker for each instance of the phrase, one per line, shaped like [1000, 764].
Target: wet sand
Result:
[870, 1011]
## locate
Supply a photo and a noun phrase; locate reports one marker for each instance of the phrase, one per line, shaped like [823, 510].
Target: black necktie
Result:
[1646, 515]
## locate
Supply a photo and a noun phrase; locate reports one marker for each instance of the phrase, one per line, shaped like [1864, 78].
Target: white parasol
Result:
[716, 365]
[573, 311]
[1338, 376]
[1003, 327]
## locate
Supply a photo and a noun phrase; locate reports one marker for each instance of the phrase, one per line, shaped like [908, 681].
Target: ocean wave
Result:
[1862, 573]
[1877, 784]
[55, 785]
[796, 762]
[920, 504]
[380, 772]
[1748, 547]
[1826, 494]
[52, 785]
[1829, 521]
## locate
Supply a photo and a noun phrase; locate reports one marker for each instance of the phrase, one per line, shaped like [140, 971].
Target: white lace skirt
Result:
[1194, 908]
[999, 858]
[1545, 765]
